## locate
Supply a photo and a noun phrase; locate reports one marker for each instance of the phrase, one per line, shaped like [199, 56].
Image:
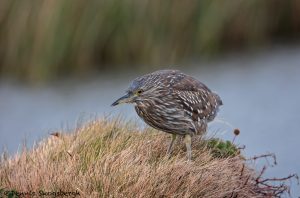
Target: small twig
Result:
[55, 134]
[265, 156]
[69, 154]
[263, 187]
[246, 181]
[260, 174]
[242, 171]
[282, 179]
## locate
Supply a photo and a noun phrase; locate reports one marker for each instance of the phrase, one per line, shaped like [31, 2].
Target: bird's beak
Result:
[124, 99]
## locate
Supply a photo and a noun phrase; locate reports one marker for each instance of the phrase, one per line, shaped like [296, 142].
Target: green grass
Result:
[222, 149]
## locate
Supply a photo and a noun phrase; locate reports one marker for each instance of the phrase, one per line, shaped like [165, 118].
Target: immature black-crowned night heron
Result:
[173, 102]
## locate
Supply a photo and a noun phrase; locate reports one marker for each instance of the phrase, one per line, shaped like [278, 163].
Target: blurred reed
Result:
[44, 39]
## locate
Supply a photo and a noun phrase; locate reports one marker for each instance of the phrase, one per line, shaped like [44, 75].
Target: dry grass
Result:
[113, 159]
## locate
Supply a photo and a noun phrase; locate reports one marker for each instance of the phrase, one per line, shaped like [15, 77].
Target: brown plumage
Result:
[173, 102]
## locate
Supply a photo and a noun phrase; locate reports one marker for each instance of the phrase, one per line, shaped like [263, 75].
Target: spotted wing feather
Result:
[198, 101]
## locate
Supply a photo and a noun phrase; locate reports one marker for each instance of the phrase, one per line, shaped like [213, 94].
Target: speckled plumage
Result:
[173, 102]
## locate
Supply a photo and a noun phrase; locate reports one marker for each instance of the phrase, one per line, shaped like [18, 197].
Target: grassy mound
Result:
[113, 159]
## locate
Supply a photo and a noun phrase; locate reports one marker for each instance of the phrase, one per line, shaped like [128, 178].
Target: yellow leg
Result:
[188, 144]
[170, 148]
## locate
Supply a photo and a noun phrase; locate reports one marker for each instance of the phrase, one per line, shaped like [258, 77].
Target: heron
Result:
[173, 102]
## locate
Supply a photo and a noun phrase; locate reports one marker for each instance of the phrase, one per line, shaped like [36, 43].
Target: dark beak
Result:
[124, 99]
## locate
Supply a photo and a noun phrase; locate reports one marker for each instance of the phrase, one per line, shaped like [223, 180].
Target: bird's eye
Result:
[140, 91]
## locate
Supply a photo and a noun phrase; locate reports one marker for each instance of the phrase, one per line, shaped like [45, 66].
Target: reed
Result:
[41, 40]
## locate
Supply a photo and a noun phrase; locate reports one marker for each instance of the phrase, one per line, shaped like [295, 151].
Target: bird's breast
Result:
[167, 117]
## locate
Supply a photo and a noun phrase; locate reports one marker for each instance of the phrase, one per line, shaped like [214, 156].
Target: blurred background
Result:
[63, 62]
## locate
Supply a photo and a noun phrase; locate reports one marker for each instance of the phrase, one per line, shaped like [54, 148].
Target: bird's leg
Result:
[170, 148]
[188, 144]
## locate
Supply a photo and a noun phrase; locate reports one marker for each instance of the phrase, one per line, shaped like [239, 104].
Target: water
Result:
[261, 95]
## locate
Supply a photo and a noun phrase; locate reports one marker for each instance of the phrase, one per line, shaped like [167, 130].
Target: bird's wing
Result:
[194, 104]
[184, 82]
[197, 99]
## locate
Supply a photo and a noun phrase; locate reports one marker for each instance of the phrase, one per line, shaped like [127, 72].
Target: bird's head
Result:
[139, 90]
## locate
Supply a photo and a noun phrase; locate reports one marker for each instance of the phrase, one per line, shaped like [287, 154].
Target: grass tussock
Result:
[114, 159]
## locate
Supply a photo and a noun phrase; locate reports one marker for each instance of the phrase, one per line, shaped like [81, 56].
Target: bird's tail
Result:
[218, 99]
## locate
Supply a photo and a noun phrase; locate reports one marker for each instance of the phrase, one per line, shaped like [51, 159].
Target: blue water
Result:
[260, 91]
